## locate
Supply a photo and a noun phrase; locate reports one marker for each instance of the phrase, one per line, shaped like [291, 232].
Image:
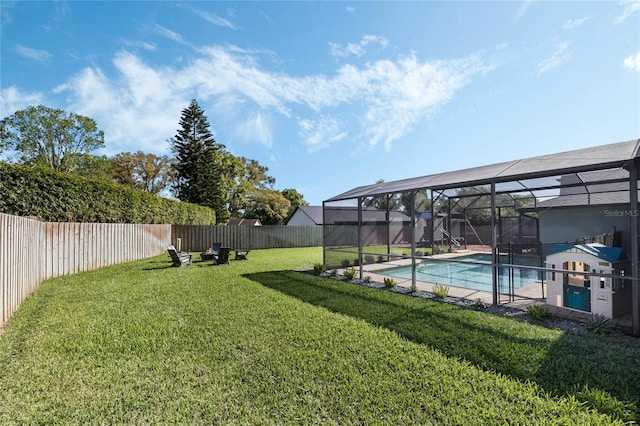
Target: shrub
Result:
[344, 263]
[368, 259]
[440, 291]
[319, 268]
[389, 282]
[380, 259]
[367, 278]
[349, 273]
[598, 324]
[538, 312]
[62, 197]
[333, 273]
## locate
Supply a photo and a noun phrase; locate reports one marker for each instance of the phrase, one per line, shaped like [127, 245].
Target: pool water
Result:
[468, 275]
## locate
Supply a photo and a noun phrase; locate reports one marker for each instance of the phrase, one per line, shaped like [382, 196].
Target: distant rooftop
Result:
[244, 222]
[313, 212]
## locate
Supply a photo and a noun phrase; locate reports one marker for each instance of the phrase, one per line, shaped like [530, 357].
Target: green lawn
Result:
[255, 342]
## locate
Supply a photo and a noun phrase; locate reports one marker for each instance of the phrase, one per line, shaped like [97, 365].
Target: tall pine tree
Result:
[199, 163]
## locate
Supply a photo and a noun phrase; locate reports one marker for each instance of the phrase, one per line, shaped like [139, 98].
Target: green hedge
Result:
[61, 197]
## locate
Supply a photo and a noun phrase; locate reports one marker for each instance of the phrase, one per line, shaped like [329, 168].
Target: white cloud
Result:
[574, 23]
[633, 62]
[166, 33]
[145, 85]
[399, 94]
[320, 133]
[5, 16]
[524, 7]
[559, 57]
[142, 44]
[140, 108]
[630, 7]
[13, 99]
[350, 49]
[255, 129]
[37, 55]
[356, 49]
[213, 18]
[140, 105]
[231, 72]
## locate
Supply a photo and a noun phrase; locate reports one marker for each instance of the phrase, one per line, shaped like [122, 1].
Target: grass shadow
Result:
[602, 372]
[155, 268]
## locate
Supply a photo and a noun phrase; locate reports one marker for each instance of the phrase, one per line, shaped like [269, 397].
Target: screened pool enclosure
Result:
[493, 229]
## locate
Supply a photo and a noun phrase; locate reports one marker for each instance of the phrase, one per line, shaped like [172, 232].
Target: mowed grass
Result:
[255, 342]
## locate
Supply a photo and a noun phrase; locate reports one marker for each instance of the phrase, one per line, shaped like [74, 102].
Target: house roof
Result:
[314, 213]
[428, 215]
[244, 222]
[602, 187]
[369, 214]
[609, 254]
[598, 199]
[582, 161]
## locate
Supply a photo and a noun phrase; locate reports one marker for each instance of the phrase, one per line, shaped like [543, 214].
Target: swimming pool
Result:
[468, 275]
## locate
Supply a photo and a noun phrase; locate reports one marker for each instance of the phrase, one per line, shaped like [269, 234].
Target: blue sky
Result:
[333, 95]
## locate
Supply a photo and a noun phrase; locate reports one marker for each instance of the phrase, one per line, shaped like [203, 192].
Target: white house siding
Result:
[299, 218]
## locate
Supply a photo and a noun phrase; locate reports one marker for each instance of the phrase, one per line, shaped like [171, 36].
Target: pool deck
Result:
[531, 294]
[525, 296]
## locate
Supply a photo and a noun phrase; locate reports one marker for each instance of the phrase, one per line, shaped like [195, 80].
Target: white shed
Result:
[581, 288]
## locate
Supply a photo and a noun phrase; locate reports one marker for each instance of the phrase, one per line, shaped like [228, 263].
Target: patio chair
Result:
[178, 258]
[222, 258]
[242, 254]
[216, 247]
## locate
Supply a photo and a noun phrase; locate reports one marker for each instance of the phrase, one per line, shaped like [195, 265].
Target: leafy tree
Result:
[237, 199]
[49, 137]
[256, 174]
[250, 178]
[94, 167]
[206, 174]
[422, 202]
[402, 202]
[200, 162]
[270, 206]
[475, 202]
[146, 172]
[382, 202]
[295, 198]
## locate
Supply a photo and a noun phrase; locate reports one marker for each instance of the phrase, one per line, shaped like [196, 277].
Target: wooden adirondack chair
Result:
[222, 258]
[178, 258]
[242, 254]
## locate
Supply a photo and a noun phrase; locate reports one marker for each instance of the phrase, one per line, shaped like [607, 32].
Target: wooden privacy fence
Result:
[201, 237]
[32, 251]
